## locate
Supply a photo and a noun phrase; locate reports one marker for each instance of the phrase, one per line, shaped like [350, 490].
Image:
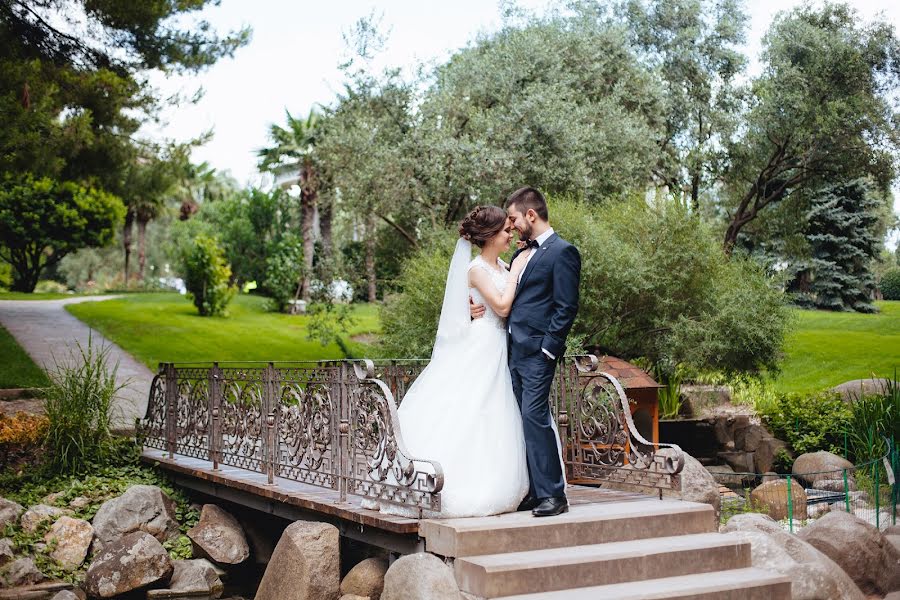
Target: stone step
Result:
[584, 524]
[497, 575]
[736, 584]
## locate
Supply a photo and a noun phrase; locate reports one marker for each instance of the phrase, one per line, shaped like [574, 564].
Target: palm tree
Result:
[293, 147]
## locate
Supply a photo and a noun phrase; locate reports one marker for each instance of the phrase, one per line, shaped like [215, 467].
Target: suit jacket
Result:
[546, 299]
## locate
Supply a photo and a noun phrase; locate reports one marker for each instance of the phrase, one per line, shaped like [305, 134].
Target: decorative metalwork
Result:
[603, 443]
[153, 427]
[307, 416]
[334, 424]
[399, 375]
[381, 466]
[242, 442]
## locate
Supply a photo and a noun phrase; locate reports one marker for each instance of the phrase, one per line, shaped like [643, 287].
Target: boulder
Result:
[219, 537]
[723, 429]
[835, 485]
[748, 438]
[766, 454]
[73, 539]
[21, 571]
[696, 399]
[858, 548]
[6, 551]
[305, 564]
[420, 575]
[67, 595]
[354, 597]
[813, 575]
[134, 561]
[893, 540]
[773, 497]
[815, 466]
[9, 512]
[37, 514]
[197, 577]
[741, 462]
[366, 578]
[853, 389]
[697, 484]
[79, 502]
[770, 476]
[140, 508]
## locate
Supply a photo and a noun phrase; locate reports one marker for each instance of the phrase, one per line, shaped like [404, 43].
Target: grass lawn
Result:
[828, 348]
[165, 327]
[17, 370]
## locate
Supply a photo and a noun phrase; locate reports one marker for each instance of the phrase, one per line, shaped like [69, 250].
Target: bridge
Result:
[320, 440]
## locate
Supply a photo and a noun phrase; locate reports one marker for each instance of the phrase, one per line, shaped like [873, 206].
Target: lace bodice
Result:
[498, 275]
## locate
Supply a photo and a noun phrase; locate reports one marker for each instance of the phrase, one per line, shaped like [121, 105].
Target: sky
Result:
[292, 62]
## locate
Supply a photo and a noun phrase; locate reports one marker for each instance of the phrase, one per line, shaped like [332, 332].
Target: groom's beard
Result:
[526, 234]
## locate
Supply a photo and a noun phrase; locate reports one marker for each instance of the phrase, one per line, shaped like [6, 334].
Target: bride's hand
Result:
[520, 261]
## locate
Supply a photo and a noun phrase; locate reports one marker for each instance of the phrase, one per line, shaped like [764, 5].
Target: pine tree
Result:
[842, 231]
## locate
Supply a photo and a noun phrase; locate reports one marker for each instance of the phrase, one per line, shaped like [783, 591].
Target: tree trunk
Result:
[127, 230]
[308, 198]
[142, 247]
[695, 192]
[24, 282]
[325, 215]
[308, 212]
[370, 258]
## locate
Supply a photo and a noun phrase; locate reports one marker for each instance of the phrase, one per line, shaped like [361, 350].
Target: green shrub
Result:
[48, 286]
[755, 392]
[79, 407]
[890, 284]
[409, 319]
[655, 283]
[875, 417]
[284, 270]
[5, 275]
[207, 275]
[810, 422]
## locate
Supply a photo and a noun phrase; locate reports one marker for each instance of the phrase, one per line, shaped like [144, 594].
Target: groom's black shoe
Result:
[528, 503]
[550, 507]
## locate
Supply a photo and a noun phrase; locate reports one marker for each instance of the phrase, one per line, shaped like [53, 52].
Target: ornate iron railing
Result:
[330, 424]
[334, 424]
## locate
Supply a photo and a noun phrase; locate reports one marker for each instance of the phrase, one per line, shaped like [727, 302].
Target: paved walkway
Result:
[48, 333]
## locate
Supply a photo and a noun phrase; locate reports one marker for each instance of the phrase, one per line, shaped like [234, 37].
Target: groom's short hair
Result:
[528, 198]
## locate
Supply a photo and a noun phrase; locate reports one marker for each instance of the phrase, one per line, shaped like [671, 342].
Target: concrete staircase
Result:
[635, 547]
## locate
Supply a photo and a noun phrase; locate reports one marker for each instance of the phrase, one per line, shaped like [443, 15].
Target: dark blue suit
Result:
[542, 314]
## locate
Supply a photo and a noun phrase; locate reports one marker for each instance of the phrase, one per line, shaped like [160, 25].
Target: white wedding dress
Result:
[461, 410]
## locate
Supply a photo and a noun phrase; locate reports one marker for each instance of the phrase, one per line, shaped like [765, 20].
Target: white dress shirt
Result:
[540, 240]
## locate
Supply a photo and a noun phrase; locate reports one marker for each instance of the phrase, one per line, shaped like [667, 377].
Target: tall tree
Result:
[822, 110]
[293, 147]
[74, 79]
[694, 48]
[845, 236]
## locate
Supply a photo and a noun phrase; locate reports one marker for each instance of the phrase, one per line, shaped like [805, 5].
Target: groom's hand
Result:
[475, 310]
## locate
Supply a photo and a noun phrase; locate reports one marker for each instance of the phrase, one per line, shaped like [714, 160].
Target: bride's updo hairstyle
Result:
[483, 223]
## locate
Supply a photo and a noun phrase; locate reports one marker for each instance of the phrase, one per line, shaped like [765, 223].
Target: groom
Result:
[542, 314]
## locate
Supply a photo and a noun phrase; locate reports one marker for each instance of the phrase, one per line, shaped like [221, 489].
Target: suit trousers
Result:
[532, 378]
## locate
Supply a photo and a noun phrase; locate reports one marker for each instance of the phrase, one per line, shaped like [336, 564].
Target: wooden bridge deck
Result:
[298, 501]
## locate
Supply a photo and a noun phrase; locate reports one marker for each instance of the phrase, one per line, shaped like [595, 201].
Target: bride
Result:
[461, 410]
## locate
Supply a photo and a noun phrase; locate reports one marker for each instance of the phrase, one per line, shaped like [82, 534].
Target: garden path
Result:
[48, 333]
